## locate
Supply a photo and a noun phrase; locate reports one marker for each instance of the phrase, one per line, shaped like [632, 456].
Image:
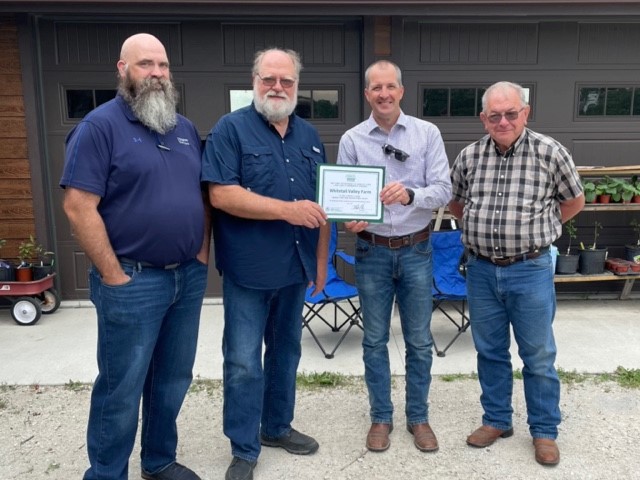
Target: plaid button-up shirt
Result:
[512, 201]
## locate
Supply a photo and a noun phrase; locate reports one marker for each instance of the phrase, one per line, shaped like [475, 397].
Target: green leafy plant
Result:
[589, 189]
[610, 186]
[597, 226]
[572, 232]
[30, 250]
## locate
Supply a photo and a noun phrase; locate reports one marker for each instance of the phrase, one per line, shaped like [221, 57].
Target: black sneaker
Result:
[293, 442]
[240, 469]
[175, 471]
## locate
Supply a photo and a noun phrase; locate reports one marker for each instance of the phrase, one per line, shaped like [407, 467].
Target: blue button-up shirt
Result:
[426, 171]
[243, 149]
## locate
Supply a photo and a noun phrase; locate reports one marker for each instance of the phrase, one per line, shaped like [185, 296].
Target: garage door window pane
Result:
[619, 101]
[79, 103]
[463, 102]
[103, 96]
[82, 101]
[303, 109]
[325, 104]
[435, 103]
[239, 99]
[591, 101]
[636, 101]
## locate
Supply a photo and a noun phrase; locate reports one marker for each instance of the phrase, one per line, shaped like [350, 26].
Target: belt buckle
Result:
[172, 266]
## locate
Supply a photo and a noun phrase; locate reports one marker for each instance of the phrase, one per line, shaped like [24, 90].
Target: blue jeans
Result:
[521, 295]
[406, 273]
[256, 399]
[147, 335]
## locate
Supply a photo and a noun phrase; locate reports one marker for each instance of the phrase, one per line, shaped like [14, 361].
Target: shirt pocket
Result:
[257, 168]
[312, 160]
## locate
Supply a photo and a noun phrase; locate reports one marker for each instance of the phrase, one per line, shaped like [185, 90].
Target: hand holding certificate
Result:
[348, 192]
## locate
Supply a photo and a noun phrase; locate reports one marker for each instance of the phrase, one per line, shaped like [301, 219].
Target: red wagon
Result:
[29, 300]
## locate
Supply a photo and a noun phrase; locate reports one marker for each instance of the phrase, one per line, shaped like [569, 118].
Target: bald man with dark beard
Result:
[134, 202]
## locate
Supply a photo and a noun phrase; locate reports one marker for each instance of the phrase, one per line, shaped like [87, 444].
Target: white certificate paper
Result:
[350, 192]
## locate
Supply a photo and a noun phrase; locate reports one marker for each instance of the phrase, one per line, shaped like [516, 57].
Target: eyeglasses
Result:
[397, 153]
[510, 116]
[271, 82]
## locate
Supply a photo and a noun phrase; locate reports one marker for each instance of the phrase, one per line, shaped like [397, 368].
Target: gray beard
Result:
[270, 109]
[154, 108]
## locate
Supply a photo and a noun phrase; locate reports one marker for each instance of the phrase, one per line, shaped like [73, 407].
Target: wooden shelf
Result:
[628, 171]
[611, 207]
[601, 277]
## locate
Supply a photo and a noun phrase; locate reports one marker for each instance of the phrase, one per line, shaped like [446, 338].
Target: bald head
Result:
[140, 42]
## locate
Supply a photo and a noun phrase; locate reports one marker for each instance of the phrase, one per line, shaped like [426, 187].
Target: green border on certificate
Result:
[350, 192]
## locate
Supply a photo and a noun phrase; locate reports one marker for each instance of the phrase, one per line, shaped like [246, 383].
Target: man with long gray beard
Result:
[135, 204]
[271, 242]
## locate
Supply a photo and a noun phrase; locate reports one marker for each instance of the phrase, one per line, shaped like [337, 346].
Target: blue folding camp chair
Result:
[449, 285]
[338, 294]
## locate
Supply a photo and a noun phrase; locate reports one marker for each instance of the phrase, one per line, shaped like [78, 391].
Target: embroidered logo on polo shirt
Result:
[315, 149]
[183, 141]
[137, 140]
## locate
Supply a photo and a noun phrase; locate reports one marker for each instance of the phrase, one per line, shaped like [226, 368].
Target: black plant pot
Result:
[567, 264]
[631, 251]
[41, 271]
[8, 274]
[592, 261]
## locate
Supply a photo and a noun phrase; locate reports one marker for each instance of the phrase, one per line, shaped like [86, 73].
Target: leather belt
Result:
[506, 261]
[138, 264]
[396, 242]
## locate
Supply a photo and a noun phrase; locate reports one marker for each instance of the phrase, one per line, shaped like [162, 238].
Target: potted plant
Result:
[7, 272]
[26, 251]
[635, 183]
[627, 190]
[592, 257]
[632, 251]
[589, 189]
[607, 190]
[567, 262]
[44, 265]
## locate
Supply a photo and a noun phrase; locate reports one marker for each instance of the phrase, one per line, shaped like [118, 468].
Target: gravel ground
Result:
[42, 432]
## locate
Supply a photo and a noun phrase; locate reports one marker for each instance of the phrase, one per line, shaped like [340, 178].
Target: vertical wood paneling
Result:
[489, 44]
[317, 44]
[606, 43]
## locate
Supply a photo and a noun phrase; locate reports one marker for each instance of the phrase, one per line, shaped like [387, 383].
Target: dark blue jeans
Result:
[406, 273]
[147, 335]
[258, 399]
[520, 296]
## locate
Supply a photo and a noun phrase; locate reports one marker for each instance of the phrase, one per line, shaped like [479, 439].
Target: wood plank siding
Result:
[16, 202]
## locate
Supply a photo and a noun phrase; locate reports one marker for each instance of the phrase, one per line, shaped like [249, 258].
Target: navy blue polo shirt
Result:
[243, 149]
[151, 200]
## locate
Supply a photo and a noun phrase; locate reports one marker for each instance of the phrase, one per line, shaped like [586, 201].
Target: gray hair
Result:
[503, 87]
[295, 58]
[380, 63]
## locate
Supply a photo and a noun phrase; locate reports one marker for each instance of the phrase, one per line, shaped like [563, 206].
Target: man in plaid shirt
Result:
[513, 189]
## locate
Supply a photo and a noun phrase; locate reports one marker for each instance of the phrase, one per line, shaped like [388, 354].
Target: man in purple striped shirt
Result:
[393, 258]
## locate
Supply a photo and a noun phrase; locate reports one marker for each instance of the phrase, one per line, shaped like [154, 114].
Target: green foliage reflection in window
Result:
[318, 104]
[609, 101]
[313, 104]
[452, 102]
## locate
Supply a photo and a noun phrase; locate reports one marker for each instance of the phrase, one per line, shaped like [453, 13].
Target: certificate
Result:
[348, 192]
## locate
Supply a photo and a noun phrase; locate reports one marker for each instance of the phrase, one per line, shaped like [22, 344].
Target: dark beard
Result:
[155, 108]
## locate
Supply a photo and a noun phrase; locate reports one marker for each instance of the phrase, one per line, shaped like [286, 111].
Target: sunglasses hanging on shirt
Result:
[397, 153]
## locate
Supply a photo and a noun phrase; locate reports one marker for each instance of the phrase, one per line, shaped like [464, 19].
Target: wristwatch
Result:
[411, 194]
